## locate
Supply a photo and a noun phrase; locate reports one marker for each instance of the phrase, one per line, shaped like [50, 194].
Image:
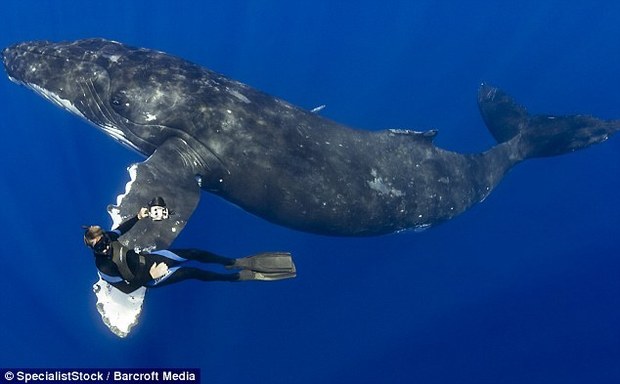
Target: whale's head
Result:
[99, 80]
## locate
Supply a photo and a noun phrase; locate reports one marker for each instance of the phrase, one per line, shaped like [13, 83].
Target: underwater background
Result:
[523, 288]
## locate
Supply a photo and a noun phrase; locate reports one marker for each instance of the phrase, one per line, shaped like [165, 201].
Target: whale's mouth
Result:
[55, 99]
[92, 108]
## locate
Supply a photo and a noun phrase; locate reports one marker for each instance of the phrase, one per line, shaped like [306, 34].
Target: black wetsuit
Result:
[131, 271]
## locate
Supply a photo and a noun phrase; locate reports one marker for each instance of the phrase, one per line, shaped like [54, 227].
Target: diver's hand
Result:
[158, 270]
[142, 213]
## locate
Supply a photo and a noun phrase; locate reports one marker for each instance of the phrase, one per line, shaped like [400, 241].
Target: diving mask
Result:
[102, 244]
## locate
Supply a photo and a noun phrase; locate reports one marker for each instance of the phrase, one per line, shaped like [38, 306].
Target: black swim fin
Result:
[248, 275]
[269, 262]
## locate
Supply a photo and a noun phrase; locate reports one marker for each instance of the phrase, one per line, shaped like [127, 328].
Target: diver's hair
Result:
[92, 232]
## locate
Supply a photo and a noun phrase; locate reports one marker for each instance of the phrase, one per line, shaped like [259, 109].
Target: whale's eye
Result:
[119, 99]
[122, 104]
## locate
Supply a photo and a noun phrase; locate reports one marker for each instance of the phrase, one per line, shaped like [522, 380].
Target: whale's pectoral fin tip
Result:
[119, 311]
[164, 174]
[486, 92]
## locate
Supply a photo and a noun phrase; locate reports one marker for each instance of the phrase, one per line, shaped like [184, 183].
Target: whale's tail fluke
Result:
[539, 135]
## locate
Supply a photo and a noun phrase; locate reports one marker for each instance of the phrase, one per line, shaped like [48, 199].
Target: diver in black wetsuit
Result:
[127, 270]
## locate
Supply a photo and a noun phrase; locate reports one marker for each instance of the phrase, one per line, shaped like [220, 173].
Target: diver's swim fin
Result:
[248, 275]
[269, 262]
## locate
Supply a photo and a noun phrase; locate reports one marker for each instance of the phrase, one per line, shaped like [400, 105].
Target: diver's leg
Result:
[183, 273]
[202, 256]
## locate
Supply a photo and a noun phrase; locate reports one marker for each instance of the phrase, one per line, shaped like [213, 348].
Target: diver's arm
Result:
[128, 224]
[125, 226]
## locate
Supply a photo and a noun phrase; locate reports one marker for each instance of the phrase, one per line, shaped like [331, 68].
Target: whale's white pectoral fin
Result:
[168, 173]
[119, 311]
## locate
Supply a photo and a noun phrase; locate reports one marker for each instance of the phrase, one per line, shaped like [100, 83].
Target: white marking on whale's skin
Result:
[384, 188]
[158, 95]
[318, 109]
[114, 58]
[239, 96]
[118, 135]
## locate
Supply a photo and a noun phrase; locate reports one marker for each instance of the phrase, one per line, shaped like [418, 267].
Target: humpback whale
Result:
[203, 131]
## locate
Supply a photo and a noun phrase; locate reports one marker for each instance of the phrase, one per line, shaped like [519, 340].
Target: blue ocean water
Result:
[523, 288]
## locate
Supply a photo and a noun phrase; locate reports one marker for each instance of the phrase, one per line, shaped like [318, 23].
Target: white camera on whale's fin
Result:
[158, 210]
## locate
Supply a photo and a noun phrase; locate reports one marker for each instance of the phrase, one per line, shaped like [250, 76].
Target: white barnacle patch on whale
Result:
[157, 95]
[198, 180]
[318, 109]
[114, 58]
[149, 116]
[238, 95]
[487, 191]
[176, 226]
[381, 186]
[421, 227]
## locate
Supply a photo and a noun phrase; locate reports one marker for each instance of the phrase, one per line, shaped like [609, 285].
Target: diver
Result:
[128, 270]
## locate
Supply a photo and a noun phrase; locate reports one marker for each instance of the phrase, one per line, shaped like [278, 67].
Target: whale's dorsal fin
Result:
[427, 136]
